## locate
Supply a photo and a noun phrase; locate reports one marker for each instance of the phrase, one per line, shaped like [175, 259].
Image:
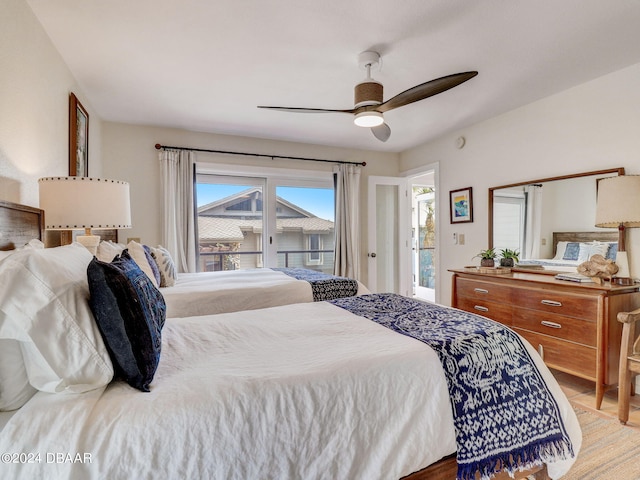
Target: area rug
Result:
[609, 450]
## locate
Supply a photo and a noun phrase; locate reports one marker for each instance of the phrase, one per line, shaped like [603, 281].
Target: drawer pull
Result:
[550, 324]
[480, 290]
[481, 308]
[551, 303]
[541, 351]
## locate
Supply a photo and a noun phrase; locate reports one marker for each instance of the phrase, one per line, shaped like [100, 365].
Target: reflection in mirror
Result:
[525, 216]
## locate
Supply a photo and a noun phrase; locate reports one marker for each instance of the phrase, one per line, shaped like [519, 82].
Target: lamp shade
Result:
[83, 203]
[618, 202]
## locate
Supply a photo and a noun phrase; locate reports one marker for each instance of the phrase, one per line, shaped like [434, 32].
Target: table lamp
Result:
[74, 203]
[618, 205]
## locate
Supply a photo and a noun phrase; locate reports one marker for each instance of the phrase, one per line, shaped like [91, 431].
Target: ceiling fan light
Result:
[368, 119]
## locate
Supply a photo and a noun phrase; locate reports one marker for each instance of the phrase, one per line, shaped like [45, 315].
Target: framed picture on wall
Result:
[78, 138]
[461, 205]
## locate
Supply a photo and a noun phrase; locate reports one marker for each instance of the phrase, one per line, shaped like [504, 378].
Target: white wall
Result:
[34, 107]
[129, 154]
[589, 127]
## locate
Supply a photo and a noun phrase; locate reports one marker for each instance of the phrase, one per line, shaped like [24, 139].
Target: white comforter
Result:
[305, 391]
[207, 293]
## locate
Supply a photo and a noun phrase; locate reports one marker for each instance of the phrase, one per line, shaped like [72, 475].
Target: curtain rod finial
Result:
[158, 146]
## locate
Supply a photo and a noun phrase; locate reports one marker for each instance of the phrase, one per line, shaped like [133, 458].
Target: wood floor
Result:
[582, 394]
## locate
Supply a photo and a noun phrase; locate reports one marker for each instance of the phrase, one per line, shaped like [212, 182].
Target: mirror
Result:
[525, 215]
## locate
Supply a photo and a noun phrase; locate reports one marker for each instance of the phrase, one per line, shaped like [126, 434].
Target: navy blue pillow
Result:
[572, 252]
[130, 312]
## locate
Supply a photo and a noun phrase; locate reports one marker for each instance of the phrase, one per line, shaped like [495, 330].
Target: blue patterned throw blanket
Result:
[504, 414]
[323, 285]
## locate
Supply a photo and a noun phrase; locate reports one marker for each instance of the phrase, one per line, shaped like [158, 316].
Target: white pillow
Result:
[166, 266]
[587, 250]
[139, 256]
[15, 389]
[107, 251]
[44, 305]
[35, 243]
[560, 249]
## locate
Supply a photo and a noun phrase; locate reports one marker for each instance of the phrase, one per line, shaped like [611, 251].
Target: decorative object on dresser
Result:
[572, 325]
[508, 257]
[74, 203]
[629, 360]
[487, 257]
[619, 206]
[598, 268]
[78, 138]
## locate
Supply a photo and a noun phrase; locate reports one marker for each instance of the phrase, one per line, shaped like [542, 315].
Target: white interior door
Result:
[388, 236]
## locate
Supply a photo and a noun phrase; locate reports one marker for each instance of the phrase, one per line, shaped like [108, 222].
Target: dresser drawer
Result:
[483, 290]
[567, 328]
[500, 312]
[562, 355]
[560, 303]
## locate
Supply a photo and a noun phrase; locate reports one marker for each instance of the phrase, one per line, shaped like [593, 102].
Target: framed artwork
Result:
[461, 205]
[78, 138]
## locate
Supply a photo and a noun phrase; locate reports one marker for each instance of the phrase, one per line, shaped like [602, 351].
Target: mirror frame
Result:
[619, 171]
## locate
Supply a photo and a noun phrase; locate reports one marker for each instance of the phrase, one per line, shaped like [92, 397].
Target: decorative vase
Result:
[487, 262]
[506, 262]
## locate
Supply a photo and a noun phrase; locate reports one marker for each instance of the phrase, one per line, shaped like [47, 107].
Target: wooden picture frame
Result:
[78, 138]
[461, 205]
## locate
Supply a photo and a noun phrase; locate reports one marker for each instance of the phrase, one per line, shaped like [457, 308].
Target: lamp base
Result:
[622, 261]
[90, 242]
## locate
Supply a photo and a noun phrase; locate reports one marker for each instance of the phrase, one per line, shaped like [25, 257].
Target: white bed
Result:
[305, 390]
[206, 293]
[339, 397]
[573, 248]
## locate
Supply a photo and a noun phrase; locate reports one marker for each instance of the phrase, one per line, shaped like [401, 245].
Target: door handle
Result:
[372, 254]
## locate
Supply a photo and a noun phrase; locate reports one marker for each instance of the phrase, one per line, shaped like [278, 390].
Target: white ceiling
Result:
[205, 65]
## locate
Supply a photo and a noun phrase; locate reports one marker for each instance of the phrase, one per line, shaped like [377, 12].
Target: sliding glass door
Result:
[250, 222]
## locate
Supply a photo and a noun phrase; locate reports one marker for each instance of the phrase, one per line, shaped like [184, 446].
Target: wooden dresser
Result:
[572, 325]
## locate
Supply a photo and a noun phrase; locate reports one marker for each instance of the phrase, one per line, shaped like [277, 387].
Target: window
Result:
[314, 245]
[249, 222]
[509, 210]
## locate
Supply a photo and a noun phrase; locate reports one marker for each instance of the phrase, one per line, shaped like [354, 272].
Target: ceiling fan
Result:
[368, 105]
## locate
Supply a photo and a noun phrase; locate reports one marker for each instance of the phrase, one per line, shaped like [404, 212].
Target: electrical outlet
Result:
[455, 238]
[134, 239]
[543, 241]
[461, 239]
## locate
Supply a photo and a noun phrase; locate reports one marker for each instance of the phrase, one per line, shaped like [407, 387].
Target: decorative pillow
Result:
[561, 247]
[136, 251]
[612, 252]
[15, 389]
[130, 312]
[108, 250]
[587, 250]
[152, 264]
[572, 251]
[35, 243]
[166, 266]
[44, 306]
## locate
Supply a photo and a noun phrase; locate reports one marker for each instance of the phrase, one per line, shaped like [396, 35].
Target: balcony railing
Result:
[216, 261]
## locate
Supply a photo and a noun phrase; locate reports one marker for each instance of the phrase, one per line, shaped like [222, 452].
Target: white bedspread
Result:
[207, 293]
[305, 391]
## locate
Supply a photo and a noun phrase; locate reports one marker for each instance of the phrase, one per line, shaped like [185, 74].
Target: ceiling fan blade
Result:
[307, 110]
[425, 90]
[381, 132]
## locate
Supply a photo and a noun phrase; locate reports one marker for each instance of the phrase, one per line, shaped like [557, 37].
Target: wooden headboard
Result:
[583, 237]
[19, 224]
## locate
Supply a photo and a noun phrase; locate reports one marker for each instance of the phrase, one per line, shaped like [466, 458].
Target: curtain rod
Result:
[159, 147]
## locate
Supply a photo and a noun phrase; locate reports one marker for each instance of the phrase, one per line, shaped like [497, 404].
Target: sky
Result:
[319, 201]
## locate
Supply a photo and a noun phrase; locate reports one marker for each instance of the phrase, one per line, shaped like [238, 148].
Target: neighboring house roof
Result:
[217, 207]
[215, 226]
[216, 229]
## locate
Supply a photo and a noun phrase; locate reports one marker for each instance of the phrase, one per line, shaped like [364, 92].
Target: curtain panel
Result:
[347, 226]
[177, 174]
